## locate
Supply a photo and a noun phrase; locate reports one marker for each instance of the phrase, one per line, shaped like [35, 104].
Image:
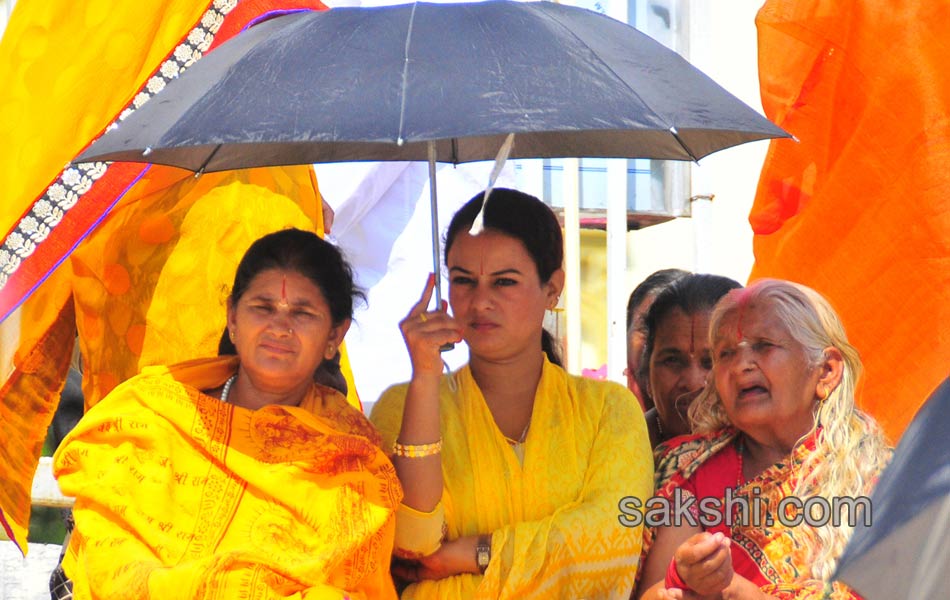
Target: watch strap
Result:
[483, 552]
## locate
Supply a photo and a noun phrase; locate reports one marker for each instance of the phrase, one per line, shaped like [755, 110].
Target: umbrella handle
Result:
[436, 262]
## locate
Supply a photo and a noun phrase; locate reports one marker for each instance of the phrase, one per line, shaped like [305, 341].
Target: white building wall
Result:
[718, 238]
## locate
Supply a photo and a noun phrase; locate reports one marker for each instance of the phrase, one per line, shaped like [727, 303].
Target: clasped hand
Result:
[704, 563]
[452, 558]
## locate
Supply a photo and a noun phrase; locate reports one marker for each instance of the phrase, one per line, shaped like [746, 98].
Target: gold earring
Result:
[231, 334]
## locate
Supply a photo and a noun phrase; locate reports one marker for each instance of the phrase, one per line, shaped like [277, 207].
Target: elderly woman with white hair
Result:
[777, 428]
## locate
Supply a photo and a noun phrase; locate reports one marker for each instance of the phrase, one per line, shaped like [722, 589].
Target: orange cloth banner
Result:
[69, 70]
[859, 208]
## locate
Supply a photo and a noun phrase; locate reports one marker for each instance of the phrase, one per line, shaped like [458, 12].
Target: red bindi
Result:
[692, 335]
[745, 295]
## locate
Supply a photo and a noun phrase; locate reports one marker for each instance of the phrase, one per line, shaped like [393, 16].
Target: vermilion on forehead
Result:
[271, 299]
[284, 287]
[692, 333]
[682, 332]
[745, 294]
[750, 321]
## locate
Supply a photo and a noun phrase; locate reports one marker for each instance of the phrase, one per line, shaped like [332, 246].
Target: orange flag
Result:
[70, 70]
[859, 208]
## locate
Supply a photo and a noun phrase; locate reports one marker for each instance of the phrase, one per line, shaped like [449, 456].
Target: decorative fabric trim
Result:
[74, 181]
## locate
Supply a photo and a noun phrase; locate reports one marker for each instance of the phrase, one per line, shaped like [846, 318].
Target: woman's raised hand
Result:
[425, 332]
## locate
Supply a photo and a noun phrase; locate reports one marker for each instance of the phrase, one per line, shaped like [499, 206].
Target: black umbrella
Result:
[379, 83]
[437, 82]
[905, 550]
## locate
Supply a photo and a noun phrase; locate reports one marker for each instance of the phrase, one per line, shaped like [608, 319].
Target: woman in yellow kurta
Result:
[238, 476]
[512, 469]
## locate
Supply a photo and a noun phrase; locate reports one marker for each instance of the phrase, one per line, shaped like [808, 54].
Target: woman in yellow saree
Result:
[238, 476]
[512, 468]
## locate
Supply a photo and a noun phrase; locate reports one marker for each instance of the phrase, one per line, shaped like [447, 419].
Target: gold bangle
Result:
[417, 450]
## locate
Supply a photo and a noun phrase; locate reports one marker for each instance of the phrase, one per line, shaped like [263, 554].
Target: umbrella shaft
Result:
[436, 264]
[433, 206]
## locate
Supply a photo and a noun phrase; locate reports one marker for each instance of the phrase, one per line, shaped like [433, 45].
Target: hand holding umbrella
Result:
[426, 332]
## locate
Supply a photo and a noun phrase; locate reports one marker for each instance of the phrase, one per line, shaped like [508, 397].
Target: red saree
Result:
[764, 550]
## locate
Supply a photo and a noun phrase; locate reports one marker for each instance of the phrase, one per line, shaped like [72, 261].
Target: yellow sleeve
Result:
[582, 550]
[417, 533]
[386, 415]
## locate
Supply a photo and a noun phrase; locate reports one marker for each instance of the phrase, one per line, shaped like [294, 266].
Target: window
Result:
[656, 190]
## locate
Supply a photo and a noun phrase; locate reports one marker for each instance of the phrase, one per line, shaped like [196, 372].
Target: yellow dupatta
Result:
[554, 519]
[179, 495]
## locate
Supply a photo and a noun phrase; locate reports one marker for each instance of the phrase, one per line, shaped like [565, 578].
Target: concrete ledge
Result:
[26, 578]
[45, 489]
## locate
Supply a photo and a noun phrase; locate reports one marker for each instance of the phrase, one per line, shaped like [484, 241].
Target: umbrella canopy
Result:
[905, 552]
[381, 83]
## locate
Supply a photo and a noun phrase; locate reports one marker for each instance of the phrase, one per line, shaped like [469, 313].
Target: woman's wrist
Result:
[424, 388]
[673, 579]
[462, 552]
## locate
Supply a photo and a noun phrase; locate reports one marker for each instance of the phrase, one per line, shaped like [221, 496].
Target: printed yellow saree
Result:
[179, 495]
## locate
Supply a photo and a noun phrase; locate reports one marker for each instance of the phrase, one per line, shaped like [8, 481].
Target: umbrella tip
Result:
[147, 151]
[400, 141]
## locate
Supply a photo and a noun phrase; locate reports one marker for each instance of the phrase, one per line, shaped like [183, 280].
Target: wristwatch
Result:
[483, 552]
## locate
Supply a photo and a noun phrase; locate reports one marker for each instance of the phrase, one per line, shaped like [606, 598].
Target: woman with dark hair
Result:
[238, 476]
[509, 465]
[677, 357]
[640, 301]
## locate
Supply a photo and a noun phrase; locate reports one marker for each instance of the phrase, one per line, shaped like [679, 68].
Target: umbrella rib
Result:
[405, 75]
[670, 127]
[201, 169]
[676, 136]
